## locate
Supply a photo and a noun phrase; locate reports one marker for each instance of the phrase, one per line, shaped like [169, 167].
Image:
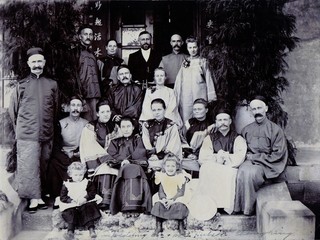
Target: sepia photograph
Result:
[148, 119]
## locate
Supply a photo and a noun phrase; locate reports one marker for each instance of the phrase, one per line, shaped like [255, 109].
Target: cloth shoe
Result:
[92, 233]
[33, 206]
[159, 228]
[181, 229]
[42, 204]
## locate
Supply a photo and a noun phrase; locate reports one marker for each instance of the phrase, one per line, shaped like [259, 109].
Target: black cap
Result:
[259, 97]
[202, 101]
[33, 51]
[83, 27]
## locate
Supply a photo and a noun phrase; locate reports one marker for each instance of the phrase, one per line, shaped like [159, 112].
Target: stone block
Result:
[312, 192]
[272, 192]
[310, 173]
[296, 190]
[287, 220]
[293, 173]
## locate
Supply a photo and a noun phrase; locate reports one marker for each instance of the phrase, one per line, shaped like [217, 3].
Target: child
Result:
[77, 198]
[163, 92]
[168, 202]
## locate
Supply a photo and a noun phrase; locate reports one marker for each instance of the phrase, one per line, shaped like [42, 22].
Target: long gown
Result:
[193, 82]
[94, 142]
[222, 177]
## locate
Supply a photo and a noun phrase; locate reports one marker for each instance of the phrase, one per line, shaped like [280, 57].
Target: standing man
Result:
[266, 157]
[173, 61]
[143, 62]
[66, 146]
[126, 97]
[222, 152]
[33, 110]
[87, 73]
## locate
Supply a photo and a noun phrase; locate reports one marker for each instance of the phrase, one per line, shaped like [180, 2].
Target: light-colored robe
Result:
[222, 178]
[168, 96]
[193, 82]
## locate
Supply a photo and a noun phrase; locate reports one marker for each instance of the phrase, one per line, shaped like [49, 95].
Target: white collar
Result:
[146, 54]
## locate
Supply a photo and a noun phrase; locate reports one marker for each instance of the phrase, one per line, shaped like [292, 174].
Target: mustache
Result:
[37, 68]
[258, 115]
[176, 46]
[75, 111]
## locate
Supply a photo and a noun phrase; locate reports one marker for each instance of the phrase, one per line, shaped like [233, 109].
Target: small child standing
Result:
[77, 203]
[168, 202]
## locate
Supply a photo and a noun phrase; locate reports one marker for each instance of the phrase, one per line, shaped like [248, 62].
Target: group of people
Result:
[143, 135]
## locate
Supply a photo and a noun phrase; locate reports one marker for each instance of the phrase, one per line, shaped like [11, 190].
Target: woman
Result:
[196, 129]
[131, 193]
[108, 65]
[167, 94]
[94, 142]
[193, 81]
[160, 136]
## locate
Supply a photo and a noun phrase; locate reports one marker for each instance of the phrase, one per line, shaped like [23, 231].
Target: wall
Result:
[302, 99]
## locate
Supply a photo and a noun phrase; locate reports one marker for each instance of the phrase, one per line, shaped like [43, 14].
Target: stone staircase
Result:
[303, 184]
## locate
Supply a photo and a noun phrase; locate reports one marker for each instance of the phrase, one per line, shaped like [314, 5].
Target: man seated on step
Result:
[222, 152]
[266, 156]
[65, 147]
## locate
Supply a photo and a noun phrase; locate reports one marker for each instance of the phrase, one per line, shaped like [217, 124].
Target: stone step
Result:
[133, 234]
[47, 220]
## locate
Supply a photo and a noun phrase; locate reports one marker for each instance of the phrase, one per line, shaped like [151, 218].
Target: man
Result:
[65, 147]
[173, 61]
[86, 72]
[126, 97]
[33, 110]
[222, 152]
[143, 62]
[266, 158]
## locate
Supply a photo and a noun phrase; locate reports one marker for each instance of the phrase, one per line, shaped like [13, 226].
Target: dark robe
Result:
[267, 142]
[195, 126]
[106, 66]
[131, 192]
[130, 148]
[126, 100]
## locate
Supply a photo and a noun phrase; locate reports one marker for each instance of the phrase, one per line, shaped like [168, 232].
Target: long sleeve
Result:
[64, 195]
[212, 96]
[91, 191]
[146, 137]
[90, 149]
[239, 152]
[13, 106]
[206, 151]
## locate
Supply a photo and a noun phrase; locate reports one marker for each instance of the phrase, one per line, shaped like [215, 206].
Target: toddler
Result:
[77, 201]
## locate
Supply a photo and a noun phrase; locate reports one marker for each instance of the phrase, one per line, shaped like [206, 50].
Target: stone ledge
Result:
[287, 218]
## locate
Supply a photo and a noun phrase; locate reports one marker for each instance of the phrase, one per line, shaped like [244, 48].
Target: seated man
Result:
[65, 147]
[126, 97]
[266, 158]
[131, 192]
[221, 154]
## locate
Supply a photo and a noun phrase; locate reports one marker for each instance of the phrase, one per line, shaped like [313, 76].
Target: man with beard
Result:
[143, 62]
[173, 61]
[266, 157]
[126, 97]
[33, 110]
[86, 73]
[65, 147]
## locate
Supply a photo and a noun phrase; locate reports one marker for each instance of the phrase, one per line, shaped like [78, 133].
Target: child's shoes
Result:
[92, 233]
[69, 235]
